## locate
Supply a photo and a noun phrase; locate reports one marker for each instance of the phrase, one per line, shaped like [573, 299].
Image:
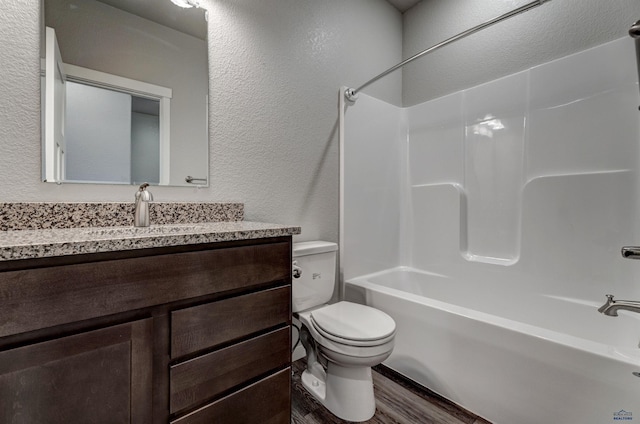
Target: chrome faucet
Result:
[611, 307]
[141, 214]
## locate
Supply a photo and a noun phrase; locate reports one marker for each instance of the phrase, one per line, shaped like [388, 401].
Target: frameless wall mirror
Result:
[124, 92]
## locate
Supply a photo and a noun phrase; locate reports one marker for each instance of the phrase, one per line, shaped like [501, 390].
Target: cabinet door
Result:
[100, 376]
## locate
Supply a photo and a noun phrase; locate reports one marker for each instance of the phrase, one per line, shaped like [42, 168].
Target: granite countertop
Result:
[27, 244]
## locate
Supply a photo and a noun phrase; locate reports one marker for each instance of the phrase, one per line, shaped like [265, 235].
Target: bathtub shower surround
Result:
[488, 223]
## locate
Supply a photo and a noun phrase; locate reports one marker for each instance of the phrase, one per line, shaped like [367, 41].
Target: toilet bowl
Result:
[342, 340]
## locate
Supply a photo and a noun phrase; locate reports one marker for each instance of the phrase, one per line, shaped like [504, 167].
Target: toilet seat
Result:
[353, 324]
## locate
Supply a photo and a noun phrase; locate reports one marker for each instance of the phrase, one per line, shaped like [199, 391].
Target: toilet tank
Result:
[317, 262]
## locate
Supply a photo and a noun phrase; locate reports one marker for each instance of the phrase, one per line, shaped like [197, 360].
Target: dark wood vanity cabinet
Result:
[185, 334]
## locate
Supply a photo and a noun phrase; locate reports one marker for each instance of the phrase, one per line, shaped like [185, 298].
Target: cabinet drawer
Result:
[203, 378]
[208, 325]
[267, 402]
[45, 297]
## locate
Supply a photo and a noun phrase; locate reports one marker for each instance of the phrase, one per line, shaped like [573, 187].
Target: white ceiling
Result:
[403, 5]
[190, 21]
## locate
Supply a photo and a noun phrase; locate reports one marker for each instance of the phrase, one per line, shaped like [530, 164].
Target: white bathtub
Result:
[512, 358]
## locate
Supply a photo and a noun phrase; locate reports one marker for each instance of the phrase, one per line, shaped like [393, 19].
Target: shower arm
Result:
[352, 94]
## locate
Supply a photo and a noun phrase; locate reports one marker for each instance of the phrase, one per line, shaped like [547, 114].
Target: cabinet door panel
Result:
[101, 376]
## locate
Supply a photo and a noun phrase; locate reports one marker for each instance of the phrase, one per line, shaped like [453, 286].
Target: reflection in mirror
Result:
[125, 92]
[112, 136]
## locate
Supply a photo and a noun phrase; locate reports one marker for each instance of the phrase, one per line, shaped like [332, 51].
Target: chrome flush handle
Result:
[296, 271]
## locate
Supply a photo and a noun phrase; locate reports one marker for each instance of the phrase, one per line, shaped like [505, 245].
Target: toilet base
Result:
[346, 391]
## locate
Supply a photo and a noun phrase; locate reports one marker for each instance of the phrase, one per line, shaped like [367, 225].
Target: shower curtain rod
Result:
[352, 94]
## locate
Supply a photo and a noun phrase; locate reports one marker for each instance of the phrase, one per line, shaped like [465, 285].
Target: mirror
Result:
[124, 93]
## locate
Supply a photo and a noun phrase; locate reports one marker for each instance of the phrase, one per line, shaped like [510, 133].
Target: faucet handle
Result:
[143, 194]
[630, 252]
[609, 297]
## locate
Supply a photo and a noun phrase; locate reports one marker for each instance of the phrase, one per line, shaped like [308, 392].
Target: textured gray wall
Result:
[275, 70]
[551, 31]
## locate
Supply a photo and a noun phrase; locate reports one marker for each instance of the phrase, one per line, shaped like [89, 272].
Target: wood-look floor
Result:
[397, 402]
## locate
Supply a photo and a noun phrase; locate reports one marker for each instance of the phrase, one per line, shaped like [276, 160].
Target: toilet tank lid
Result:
[312, 247]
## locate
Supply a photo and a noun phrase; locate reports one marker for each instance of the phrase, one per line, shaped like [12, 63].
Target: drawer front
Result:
[195, 381]
[208, 325]
[45, 297]
[266, 402]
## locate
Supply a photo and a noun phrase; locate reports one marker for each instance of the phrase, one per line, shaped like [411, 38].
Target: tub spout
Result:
[611, 307]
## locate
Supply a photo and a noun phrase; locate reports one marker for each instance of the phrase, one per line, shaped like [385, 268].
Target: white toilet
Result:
[343, 340]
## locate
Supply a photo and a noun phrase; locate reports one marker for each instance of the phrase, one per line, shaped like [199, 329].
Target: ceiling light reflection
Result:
[486, 127]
